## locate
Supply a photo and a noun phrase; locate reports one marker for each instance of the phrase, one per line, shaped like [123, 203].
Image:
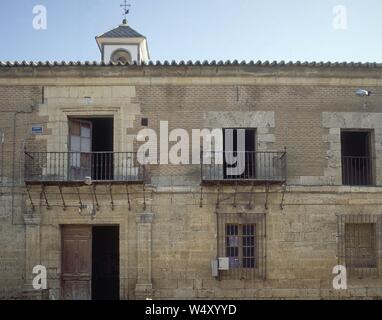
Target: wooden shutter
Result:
[80, 142]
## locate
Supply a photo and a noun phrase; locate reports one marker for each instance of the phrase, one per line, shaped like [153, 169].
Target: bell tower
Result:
[123, 44]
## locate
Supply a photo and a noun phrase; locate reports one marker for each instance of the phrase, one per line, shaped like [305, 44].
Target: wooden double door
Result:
[90, 263]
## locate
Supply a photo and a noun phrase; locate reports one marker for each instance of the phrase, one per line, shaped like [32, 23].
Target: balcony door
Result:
[80, 147]
[357, 166]
[239, 156]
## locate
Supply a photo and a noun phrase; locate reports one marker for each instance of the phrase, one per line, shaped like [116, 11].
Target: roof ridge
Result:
[199, 63]
[122, 31]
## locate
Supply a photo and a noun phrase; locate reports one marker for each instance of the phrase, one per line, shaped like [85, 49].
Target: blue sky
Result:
[197, 29]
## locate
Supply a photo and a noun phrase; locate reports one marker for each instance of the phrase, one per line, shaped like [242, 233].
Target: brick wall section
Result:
[298, 112]
[12, 231]
[18, 99]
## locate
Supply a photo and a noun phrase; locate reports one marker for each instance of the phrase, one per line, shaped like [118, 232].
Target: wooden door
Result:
[76, 262]
[80, 147]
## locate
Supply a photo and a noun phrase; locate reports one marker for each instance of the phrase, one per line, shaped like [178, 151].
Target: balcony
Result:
[357, 171]
[255, 167]
[67, 167]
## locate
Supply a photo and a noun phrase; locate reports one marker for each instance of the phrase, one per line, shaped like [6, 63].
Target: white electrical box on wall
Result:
[219, 264]
[223, 264]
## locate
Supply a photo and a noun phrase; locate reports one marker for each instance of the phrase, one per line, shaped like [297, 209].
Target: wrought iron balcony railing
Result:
[254, 166]
[357, 171]
[76, 166]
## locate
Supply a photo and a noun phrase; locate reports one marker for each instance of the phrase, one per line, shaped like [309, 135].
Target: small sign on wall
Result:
[37, 130]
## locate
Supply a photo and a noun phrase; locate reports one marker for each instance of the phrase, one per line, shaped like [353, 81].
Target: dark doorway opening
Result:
[105, 263]
[247, 157]
[102, 144]
[356, 158]
[91, 146]
[102, 137]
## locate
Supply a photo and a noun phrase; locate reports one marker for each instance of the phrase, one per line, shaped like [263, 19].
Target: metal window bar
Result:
[359, 244]
[241, 238]
[76, 166]
[247, 166]
[357, 171]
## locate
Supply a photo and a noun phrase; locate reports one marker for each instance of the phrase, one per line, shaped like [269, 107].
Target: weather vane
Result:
[126, 10]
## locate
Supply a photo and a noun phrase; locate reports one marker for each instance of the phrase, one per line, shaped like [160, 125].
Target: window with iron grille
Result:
[241, 238]
[359, 242]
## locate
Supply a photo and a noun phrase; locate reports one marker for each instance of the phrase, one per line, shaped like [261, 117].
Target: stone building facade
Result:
[105, 226]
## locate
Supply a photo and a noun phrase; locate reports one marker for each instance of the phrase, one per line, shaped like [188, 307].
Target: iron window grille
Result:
[359, 244]
[241, 239]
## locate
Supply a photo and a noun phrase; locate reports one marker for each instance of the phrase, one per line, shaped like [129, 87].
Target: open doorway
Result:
[246, 155]
[91, 148]
[357, 167]
[105, 263]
